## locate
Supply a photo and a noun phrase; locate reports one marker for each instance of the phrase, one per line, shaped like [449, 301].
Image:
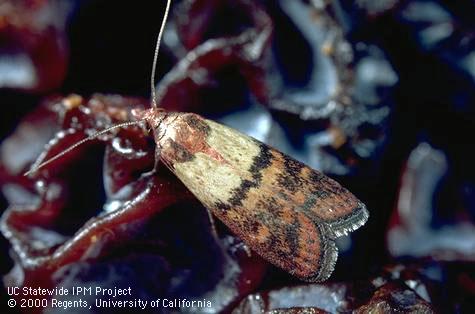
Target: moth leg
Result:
[247, 249]
[155, 164]
[157, 158]
[213, 225]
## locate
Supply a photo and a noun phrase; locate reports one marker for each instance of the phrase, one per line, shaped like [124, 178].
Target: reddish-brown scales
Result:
[189, 136]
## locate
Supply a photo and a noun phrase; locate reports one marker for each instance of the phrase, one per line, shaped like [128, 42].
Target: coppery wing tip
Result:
[355, 220]
[358, 217]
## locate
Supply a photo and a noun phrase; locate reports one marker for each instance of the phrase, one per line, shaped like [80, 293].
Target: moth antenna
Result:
[35, 167]
[153, 96]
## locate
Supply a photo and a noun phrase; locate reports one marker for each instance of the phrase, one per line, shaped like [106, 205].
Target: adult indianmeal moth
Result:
[287, 212]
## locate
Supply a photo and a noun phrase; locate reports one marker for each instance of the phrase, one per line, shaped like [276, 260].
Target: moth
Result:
[282, 209]
[287, 212]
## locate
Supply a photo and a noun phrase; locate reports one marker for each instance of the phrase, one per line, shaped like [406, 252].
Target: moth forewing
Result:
[285, 211]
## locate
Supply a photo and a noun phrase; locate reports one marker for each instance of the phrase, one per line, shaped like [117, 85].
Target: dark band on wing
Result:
[196, 122]
[262, 161]
[178, 153]
[291, 179]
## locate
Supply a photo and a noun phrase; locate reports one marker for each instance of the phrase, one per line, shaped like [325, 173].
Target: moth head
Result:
[153, 116]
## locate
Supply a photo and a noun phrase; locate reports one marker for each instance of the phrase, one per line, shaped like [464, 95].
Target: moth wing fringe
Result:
[344, 226]
[328, 259]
